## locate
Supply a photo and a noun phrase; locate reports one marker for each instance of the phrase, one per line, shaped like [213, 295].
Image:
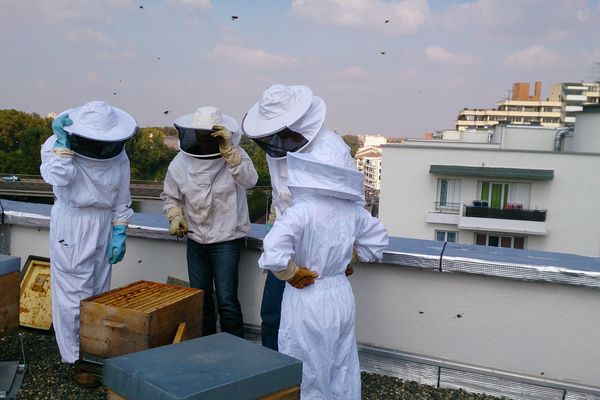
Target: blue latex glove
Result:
[62, 140]
[116, 247]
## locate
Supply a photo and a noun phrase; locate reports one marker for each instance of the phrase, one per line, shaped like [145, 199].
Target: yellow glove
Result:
[230, 154]
[177, 224]
[298, 277]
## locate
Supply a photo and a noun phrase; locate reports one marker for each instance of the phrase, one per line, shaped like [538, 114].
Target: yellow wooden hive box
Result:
[35, 299]
[138, 316]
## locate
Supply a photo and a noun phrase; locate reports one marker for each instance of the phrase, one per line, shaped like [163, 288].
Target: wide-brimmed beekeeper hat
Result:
[279, 107]
[205, 117]
[99, 121]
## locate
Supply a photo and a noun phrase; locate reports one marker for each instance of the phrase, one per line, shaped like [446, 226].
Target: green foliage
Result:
[14, 123]
[149, 155]
[352, 142]
[258, 159]
[258, 204]
[22, 135]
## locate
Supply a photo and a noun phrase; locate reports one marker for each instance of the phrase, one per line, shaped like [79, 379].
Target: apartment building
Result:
[524, 187]
[368, 160]
[573, 96]
[557, 110]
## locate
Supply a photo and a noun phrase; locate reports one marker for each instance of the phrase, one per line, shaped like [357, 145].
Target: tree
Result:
[352, 142]
[149, 155]
[257, 155]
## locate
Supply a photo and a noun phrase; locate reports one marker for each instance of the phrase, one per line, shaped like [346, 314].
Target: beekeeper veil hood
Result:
[325, 171]
[286, 119]
[99, 131]
[195, 132]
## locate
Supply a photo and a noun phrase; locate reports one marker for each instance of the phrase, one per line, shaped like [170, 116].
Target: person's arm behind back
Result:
[372, 238]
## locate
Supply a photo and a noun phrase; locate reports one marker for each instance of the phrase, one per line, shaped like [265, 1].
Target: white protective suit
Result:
[212, 196]
[318, 231]
[90, 195]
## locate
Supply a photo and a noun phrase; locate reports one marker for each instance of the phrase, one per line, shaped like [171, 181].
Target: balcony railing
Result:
[444, 206]
[505, 213]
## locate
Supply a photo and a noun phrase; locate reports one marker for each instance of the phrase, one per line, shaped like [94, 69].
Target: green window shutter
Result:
[496, 200]
[485, 190]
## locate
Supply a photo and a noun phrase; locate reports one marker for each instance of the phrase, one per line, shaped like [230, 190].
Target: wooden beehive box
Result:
[9, 294]
[35, 297]
[138, 316]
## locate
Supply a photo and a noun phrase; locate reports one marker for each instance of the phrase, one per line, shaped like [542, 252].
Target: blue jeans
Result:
[270, 310]
[217, 263]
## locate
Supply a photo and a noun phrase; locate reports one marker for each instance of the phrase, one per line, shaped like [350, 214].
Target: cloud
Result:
[57, 11]
[504, 19]
[116, 56]
[198, 4]
[410, 74]
[532, 57]
[438, 54]
[405, 16]
[90, 37]
[250, 57]
[352, 72]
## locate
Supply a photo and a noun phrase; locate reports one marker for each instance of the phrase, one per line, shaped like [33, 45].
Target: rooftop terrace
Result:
[515, 323]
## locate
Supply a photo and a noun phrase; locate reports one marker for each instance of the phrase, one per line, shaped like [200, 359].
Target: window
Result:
[448, 194]
[446, 236]
[510, 242]
[499, 194]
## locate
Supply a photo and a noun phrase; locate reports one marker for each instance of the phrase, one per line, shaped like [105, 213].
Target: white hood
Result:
[324, 171]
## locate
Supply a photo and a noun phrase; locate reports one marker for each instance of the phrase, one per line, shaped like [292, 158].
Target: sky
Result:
[152, 56]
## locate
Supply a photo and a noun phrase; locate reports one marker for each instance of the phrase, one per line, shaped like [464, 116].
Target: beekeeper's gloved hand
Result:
[349, 269]
[177, 224]
[230, 154]
[298, 277]
[62, 141]
[116, 247]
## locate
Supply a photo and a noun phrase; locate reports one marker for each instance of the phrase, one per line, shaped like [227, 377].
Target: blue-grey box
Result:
[216, 367]
[9, 264]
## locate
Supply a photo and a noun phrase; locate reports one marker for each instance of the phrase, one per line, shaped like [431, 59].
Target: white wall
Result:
[587, 132]
[408, 193]
[527, 138]
[529, 328]
[521, 327]
[153, 260]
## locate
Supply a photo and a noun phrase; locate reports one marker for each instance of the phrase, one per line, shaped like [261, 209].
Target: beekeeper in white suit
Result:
[287, 119]
[318, 232]
[88, 168]
[205, 198]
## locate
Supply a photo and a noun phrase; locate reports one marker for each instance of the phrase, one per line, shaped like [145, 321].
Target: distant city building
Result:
[573, 96]
[526, 187]
[52, 115]
[520, 91]
[374, 140]
[524, 109]
[172, 142]
[368, 160]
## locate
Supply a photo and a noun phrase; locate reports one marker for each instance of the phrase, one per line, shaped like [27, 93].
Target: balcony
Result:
[512, 219]
[505, 213]
[445, 213]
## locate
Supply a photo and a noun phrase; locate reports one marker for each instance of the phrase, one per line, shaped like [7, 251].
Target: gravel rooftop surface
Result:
[47, 378]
